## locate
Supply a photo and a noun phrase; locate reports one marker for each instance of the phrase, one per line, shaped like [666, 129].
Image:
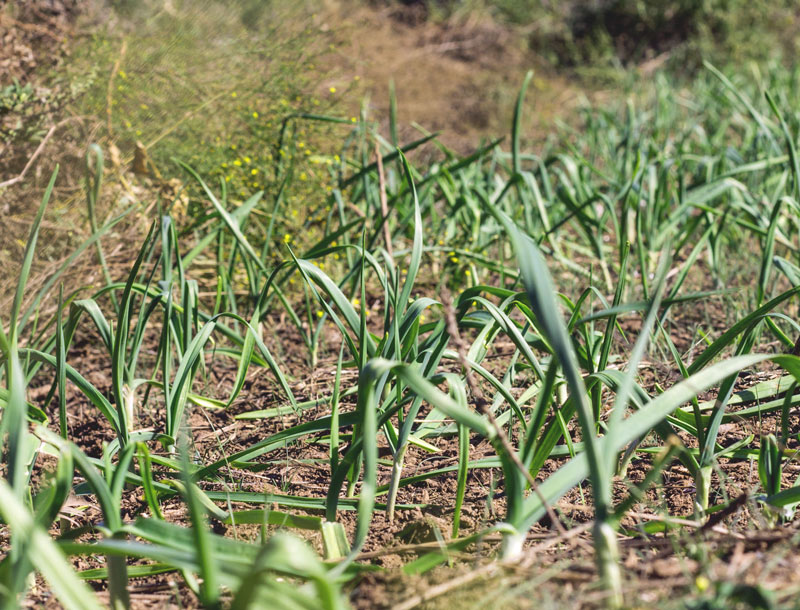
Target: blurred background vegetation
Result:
[595, 33]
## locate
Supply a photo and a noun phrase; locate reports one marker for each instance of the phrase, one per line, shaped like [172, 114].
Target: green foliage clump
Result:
[580, 35]
[633, 31]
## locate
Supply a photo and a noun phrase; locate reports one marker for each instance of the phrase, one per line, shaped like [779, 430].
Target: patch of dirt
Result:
[33, 35]
[34, 39]
[457, 77]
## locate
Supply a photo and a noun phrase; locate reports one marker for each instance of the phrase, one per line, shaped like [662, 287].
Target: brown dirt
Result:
[34, 39]
[457, 77]
[33, 34]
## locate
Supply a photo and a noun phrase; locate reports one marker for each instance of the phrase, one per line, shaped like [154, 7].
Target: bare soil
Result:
[459, 78]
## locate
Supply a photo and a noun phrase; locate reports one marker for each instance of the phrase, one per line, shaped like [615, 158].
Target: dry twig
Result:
[110, 91]
[37, 152]
[387, 235]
